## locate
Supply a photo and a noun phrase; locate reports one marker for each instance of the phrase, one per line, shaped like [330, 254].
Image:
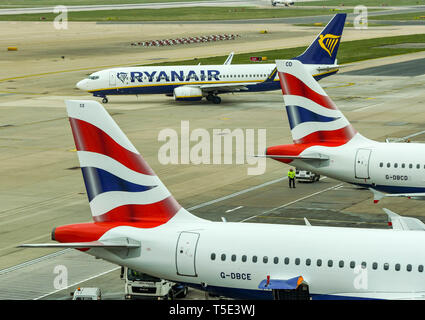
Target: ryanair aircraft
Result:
[192, 83]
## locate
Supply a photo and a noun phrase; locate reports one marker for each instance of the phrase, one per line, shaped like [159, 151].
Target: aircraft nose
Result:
[81, 84]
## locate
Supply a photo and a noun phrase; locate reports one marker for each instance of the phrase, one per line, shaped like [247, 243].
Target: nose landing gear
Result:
[105, 100]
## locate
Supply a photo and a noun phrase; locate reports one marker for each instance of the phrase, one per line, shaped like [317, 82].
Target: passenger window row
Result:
[243, 75]
[402, 165]
[319, 262]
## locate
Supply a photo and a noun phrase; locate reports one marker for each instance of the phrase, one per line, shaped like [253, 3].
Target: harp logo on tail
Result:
[328, 42]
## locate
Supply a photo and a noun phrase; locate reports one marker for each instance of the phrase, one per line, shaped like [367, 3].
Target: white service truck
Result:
[303, 175]
[87, 294]
[142, 285]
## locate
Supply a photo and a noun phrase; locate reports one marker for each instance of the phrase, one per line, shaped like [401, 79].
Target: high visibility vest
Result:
[291, 174]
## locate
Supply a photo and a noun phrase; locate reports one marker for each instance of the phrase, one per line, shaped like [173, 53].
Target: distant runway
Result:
[404, 69]
[135, 6]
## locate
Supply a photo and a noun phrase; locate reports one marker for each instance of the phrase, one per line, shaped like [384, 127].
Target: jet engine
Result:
[187, 94]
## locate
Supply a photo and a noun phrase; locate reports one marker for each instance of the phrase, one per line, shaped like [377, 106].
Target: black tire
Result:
[209, 97]
[216, 100]
[105, 100]
[318, 177]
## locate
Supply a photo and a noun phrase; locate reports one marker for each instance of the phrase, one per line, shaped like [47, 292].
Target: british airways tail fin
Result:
[312, 115]
[121, 186]
[324, 48]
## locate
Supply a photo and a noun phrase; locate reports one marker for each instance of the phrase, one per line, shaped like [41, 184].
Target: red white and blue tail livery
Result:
[138, 224]
[120, 184]
[325, 142]
[312, 115]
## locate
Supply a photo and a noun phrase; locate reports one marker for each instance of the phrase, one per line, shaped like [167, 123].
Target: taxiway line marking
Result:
[78, 282]
[292, 202]
[234, 209]
[236, 193]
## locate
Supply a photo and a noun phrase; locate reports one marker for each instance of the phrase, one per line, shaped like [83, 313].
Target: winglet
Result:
[307, 223]
[229, 59]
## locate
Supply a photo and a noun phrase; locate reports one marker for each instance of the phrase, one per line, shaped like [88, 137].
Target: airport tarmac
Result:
[42, 186]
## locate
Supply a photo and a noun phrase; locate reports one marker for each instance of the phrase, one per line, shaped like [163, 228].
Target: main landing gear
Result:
[214, 98]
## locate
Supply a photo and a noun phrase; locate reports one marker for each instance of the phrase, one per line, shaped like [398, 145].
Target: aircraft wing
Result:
[403, 223]
[289, 284]
[383, 295]
[377, 195]
[119, 243]
[224, 87]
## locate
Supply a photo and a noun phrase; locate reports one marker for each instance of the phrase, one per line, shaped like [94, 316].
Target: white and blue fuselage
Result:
[188, 82]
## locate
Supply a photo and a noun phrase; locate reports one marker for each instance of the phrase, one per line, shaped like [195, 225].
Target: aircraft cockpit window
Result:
[93, 77]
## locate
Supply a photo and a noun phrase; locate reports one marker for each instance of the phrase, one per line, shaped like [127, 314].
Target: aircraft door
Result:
[112, 79]
[361, 166]
[186, 253]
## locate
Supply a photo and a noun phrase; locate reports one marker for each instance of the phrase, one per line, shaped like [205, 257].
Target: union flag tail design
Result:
[313, 117]
[121, 187]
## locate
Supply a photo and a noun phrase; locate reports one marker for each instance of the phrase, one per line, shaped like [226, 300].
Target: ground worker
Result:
[291, 177]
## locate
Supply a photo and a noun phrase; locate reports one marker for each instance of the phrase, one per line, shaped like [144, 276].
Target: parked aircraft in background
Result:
[192, 83]
[326, 143]
[286, 3]
[138, 224]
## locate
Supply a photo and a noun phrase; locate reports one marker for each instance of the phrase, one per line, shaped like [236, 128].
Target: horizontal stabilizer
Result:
[290, 284]
[403, 223]
[328, 67]
[317, 156]
[121, 243]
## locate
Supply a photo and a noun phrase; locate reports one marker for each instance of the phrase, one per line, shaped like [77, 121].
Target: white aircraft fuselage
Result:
[329, 259]
[205, 79]
[387, 167]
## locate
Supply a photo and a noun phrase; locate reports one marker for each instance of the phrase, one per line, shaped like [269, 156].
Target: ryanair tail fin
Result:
[324, 48]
